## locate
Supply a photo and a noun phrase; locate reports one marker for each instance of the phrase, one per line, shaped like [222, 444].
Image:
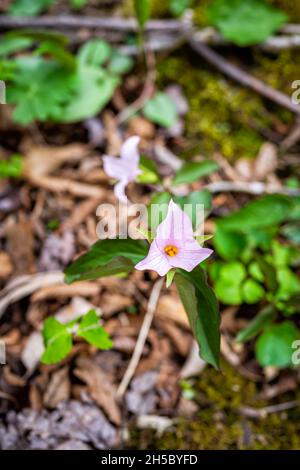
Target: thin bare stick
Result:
[239, 75]
[253, 187]
[134, 361]
[250, 412]
[70, 21]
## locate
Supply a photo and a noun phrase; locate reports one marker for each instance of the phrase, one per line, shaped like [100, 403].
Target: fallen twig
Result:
[25, 285]
[239, 75]
[253, 187]
[250, 412]
[153, 301]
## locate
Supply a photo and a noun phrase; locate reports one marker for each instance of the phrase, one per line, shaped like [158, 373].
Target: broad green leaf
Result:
[282, 255]
[94, 52]
[289, 283]
[259, 322]
[252, 291]
[229, 244]
[201, 306]
[264, 212]
[29, 7]
[268, 272]
[177, 7]
[161, 109]
[94, 90]
[59, 52]
[294, 213]
[78, 4]
[9, 45]
[233, 272]
[255, 271]
[193, 171]
[57, 339]
[119, 63]
[106, 258]
[274, 346]
[228, 283]
[245, 22]
[11, 168]
[44, 97]
[149, 173]
[142, 11]
[91, 330]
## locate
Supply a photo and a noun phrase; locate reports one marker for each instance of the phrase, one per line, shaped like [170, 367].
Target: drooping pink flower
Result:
[174, 245]
[126, 168]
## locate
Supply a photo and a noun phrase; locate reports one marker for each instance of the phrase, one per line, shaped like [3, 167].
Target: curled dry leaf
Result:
[6, 267]
[58, 389]
[266, 162]
[100, 388]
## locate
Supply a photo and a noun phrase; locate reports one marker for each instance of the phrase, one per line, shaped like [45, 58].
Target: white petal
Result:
[177, 226]
[155, 261]
[130, 151]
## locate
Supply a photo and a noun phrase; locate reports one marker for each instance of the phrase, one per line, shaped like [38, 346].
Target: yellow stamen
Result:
[171, 250]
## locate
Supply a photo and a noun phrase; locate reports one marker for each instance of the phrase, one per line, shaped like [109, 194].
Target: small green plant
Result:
[65, 88]
[58, 337]
[11, 168]
[257, 266]
[245, 22]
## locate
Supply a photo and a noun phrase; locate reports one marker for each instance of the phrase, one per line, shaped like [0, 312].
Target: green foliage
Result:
[161, 110]
[177, 7]
[29, 7]
[58, 337]
[255, 326]
[192, 171]
[245, 23]
[44, 97]
[201, 307]
[90, 329]
[78, 4]
[11, 168]
[142, 11]
[264, 212]
[65, 88]
[149, 170]
[229, 244]
[274, 346]
[57, 340]
[107, 258]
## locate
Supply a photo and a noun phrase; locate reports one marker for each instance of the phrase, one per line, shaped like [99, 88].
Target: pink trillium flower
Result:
[174, 245]
[126, 168]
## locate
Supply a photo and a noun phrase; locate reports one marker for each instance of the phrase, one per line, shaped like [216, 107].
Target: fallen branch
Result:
[253, 187]
[241, 76]
[250, 412]
[153, 301]
[25, 285]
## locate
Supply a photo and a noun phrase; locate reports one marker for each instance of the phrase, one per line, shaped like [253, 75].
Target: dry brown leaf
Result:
[266, 162]
[113, 303]
[6, 267]
[180, 339]
[58, 389]
[101, 390]
[32, 351]
[194, 365]
[82, 289]
[172, 309]
[40, 161]
[20, 246]
[13, 379]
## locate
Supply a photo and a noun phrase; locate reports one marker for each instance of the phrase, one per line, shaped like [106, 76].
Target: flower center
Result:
[171, 250]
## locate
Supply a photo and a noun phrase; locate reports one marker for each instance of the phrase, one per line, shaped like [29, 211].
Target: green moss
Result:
[291, 7]
[219, 424]
[221, 115]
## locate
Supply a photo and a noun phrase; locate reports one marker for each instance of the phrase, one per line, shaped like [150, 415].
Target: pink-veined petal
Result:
[190, 254]
[155, 261]
[130, 151]
[176, 226]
